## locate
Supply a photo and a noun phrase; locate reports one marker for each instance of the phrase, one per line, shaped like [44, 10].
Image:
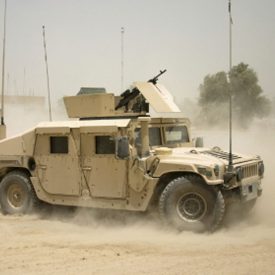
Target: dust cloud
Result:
[84, 241]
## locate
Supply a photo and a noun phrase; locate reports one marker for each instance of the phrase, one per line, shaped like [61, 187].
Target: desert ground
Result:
[63, 241]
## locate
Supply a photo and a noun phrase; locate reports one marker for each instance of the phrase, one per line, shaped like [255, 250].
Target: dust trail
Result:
[257, 140]
[83, 241]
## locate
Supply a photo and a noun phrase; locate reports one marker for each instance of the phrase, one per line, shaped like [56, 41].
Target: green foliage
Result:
[247, 97]
[214, 89]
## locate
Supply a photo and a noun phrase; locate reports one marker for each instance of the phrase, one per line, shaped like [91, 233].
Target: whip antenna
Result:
[122, 58]
[3, 127]
[47, 72]
[230, 161]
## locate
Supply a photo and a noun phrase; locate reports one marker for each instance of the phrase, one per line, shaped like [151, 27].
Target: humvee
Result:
[111, 154]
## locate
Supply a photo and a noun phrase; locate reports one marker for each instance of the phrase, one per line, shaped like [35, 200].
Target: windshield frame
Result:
[163, 138]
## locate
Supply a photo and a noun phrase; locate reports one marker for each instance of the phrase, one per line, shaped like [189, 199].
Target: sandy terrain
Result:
[59, 241]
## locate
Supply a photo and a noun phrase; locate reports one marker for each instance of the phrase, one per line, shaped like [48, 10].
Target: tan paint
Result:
[159, 98]
[144, 122]
[3, 132]
[103, 182]
[12, 146]
[80, 106]
[58, 173]
[84, 177]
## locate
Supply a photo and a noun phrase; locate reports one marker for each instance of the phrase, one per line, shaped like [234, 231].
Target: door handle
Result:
[87, 168]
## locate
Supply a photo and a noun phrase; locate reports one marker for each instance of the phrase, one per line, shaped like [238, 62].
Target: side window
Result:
[105, 145]
[154, 136]
[59, 145]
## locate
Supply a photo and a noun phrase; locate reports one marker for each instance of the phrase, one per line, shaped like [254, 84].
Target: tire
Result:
[16, 194]
[189, 204]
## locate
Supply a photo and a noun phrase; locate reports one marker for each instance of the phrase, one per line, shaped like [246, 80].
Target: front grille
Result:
[249, 170]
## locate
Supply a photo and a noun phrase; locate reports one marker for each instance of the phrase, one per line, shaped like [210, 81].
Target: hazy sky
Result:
[187, 37]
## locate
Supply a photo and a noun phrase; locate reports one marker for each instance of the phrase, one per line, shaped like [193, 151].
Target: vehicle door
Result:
[106, 175]
[58, 164]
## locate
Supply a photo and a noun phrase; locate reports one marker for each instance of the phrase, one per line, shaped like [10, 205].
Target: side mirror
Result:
[122, 147]
[198, 142]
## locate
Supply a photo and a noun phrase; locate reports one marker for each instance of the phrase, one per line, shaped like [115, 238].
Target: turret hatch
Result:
[158, 97]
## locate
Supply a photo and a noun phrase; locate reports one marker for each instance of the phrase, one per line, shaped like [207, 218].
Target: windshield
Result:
[154, 136]
[172, 134]
[176, 134]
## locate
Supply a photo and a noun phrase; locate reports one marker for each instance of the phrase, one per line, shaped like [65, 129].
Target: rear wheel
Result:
[16, 193]
[189, 204]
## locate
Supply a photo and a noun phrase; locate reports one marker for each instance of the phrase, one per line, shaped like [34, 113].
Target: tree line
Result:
[248, 100]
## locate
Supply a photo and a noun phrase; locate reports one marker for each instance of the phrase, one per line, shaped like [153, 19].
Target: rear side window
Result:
[59, 145]
[105, 145]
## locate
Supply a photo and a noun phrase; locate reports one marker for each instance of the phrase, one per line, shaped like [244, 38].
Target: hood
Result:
[211, 156]
[188, 156]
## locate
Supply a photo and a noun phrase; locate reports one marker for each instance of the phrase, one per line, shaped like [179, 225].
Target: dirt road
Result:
[61, 242]
[84, 245]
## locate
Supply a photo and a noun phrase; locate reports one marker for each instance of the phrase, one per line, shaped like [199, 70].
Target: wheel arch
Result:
[168, 177]
[7, 170]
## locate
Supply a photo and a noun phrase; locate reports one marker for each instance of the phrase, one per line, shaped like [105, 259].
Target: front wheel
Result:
[16, 193]
[189, 204]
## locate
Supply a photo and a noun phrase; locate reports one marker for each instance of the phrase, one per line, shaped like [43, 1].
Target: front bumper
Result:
[250, 190]
[247, 189]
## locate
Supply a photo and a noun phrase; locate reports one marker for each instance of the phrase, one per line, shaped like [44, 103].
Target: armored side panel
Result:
[95, 105]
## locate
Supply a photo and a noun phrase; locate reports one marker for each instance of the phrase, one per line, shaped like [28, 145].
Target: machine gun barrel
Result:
[155, 79]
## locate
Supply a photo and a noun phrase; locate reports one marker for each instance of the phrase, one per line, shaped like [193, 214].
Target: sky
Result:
[188, 38]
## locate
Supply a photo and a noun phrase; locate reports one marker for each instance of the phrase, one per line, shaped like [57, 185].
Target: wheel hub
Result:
[15, 195]
[191, 207]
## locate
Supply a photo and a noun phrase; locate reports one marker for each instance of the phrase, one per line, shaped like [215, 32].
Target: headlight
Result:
[261, 168]
[217, 170]
[205, 171]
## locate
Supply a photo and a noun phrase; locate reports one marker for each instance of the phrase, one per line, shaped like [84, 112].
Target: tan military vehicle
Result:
[113, 155]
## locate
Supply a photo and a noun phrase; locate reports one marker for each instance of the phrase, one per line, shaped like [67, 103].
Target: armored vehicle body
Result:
[113, 155]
